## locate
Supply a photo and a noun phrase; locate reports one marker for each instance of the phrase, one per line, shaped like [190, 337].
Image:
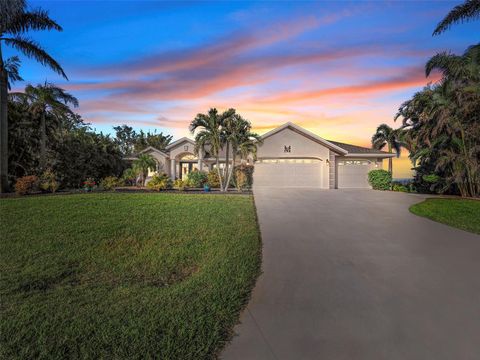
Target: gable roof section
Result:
[354, 149]
[307, 134]
[153, 149]
[179, 142]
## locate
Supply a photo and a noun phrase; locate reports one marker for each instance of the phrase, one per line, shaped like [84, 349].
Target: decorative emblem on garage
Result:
[287, 149]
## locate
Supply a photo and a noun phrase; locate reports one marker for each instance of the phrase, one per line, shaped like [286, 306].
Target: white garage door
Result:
[353, 173]
[288, 172]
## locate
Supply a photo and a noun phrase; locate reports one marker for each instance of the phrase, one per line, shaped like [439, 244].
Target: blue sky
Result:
[336, 68]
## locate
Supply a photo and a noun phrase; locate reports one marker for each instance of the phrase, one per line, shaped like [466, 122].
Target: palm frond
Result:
[10, 10]
[36, 19]
[12, 66]
[469, 10]
[33, 50]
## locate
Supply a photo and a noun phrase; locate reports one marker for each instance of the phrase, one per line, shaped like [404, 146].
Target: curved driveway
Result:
[352, 274]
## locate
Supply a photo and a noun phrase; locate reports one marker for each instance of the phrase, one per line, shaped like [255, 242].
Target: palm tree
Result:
[464, 68]
[142, 164]
[386, 136]
[443, 121]
[15, 20]
[241, 139]
[467, 11]
[211, 136]
[46, 100]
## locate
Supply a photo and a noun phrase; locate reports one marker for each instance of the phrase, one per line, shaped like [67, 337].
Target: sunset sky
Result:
[338, 69]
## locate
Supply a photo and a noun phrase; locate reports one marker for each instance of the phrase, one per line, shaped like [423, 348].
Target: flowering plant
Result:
[89, 184]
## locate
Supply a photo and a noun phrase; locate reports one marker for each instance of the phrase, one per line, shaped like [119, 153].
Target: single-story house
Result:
[288, 156]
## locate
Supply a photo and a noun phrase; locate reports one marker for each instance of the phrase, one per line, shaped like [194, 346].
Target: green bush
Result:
[380, 179]
[244, 176]
[197, 179]
[179, 184]
[212, 179]
[400, 187]
[160, 182]
[110, 183]
[48, 181]
[129, 177]
[26, 185]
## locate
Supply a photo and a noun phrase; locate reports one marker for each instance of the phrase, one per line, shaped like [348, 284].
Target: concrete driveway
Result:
[352, 274]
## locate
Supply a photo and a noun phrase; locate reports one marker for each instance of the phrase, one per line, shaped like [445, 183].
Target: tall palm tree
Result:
[46, 100]
[142, 164]
[443, 121]
[387, 136]
[459, 68]
[15, 21]
[238, 134]
[210, 136]
[469, 10]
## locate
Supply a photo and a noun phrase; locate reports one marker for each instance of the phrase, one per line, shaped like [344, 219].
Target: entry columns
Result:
[200, 160]
[172, 169]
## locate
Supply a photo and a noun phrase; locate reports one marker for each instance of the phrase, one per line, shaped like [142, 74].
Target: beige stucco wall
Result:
[300, 147]
[162, 162]
[183, 147]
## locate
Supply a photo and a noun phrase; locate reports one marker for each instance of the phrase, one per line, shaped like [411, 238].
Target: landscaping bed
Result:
[460, 213]
[108, 275]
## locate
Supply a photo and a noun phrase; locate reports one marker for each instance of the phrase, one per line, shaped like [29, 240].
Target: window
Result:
[354, 162]
[188, 157]
[288, 161]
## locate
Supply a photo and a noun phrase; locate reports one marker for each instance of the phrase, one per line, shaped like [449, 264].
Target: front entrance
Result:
[186, 168]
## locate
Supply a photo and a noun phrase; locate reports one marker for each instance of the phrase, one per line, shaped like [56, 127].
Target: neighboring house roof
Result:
[354, 149]
[179, 141]
[307, 134]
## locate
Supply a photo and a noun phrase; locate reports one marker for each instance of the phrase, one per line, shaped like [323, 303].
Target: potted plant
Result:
[206, 187]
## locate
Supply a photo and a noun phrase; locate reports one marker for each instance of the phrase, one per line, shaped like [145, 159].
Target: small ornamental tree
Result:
[380, 179]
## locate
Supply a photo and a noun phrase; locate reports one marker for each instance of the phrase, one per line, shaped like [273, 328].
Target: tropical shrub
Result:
[160, 182]
[179, 184]
[197, 179]
[244, 176]
[89, 184]
[48, 181]
[400, 187]
[212, 179]
[380, 179]
[26, 185]
[129, 177]
[110, 183]
[143, 164]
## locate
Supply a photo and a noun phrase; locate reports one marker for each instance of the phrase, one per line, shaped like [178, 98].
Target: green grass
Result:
[124, 276]
[460, 213]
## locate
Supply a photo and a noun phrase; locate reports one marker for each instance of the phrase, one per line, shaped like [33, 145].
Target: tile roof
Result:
[354, 149]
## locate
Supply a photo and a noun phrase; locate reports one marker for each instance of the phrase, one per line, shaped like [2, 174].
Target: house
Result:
[289, 156]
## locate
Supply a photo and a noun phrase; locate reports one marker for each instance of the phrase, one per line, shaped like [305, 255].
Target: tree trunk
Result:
[227, 164]
[219, 174]
[390, 160]
[3, 128]
[232, 169]
[43, 142]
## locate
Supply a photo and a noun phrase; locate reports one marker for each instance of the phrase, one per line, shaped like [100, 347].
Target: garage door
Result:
[353, 174]
[288, 172]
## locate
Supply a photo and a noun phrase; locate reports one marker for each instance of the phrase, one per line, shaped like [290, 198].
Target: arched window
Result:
[187, 157]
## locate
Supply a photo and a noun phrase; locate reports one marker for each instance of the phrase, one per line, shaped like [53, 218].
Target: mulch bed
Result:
[133, 189]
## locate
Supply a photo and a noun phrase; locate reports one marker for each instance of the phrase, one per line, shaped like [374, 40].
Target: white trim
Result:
[306, 133]
[178, 142]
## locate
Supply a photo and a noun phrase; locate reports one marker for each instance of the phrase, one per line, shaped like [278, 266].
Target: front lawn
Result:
[124, 276]
[460, 213]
